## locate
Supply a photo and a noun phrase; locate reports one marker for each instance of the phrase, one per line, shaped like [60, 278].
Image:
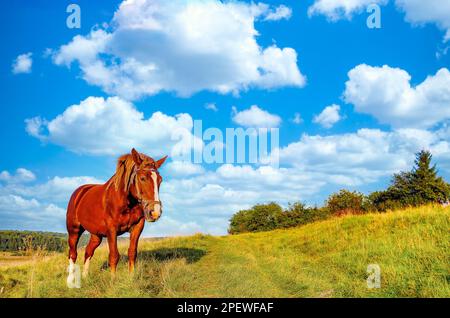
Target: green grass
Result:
[324, 259]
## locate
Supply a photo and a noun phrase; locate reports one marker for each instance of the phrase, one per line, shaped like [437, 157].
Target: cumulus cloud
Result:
[387, 94]
[430, 11]
[364, 156]
[22, 64]
[57, 189]
[156, 46]
[17, 212]
[28, 204]
[183, 168]
[255, 117]
[279, 13]
[111, 126]
[417, 12]
[329, 116]
[21, 175]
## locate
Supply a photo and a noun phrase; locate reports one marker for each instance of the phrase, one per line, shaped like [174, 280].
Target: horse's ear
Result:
[136, 157]
[160, 162]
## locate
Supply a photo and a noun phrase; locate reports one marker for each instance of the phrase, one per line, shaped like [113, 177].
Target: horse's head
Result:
[146, 184]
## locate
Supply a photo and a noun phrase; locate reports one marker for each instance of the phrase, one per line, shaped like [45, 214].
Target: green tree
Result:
[421, 185]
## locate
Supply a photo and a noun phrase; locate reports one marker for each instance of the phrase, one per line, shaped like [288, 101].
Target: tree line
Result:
[15, 241]
[421, 185]
[23, 240]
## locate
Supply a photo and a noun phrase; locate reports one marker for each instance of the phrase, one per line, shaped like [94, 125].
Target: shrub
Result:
[261, 217]
[299, 214]
[266, 217]
[346, 202]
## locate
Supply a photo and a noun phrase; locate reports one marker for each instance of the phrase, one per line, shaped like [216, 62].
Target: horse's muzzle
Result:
[152, 215]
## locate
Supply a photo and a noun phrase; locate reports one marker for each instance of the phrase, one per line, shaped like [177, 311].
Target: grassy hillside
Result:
[325, 259]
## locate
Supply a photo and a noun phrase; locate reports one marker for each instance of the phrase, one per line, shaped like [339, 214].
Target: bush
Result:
[299, 214]
[261, 217]
[266, 217]
[346, 202]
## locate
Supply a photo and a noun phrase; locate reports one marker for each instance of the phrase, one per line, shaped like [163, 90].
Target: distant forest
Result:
[16, 241]
[13, 241]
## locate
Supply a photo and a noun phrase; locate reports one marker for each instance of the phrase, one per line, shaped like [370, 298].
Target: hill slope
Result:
[325, 259]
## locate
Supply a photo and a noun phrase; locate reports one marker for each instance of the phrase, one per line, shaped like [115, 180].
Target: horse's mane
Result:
[124, 172]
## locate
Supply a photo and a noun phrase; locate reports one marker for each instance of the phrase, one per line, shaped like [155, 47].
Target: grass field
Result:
[324, 259]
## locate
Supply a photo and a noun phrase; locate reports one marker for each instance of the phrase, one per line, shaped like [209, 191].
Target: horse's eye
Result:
[142, 178]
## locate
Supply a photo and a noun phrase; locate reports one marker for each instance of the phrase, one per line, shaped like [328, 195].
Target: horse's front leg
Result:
[113, 251]
[135, 232]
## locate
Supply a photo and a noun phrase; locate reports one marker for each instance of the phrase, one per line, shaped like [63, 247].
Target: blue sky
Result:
[368, 99]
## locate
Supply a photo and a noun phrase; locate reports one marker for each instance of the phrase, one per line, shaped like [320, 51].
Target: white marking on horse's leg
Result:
[73, 279]
[86, 268]
[71, 276]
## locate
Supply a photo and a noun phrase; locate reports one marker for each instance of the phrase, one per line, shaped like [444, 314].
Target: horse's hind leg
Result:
[74, 236]
[94, 242]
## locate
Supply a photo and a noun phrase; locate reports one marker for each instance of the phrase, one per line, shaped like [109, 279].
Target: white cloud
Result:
[17, 203]
[29, 205]
[387, 94]
[23, 214]
[297, 119]
[329, 116]
[113, 126]
[362, 157]
[21, 175]
[279, 13]
[183, 168]
[173, 226]
[22, 64]
[57, 189]
[157, 46]
[255, 117]
[211, 106]
[417, 12]
[430, 11]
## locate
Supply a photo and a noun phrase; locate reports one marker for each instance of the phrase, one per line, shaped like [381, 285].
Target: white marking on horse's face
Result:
[157, 207]
[155, 185]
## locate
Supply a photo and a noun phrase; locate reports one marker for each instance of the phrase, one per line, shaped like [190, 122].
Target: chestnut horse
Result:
[120, 205]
